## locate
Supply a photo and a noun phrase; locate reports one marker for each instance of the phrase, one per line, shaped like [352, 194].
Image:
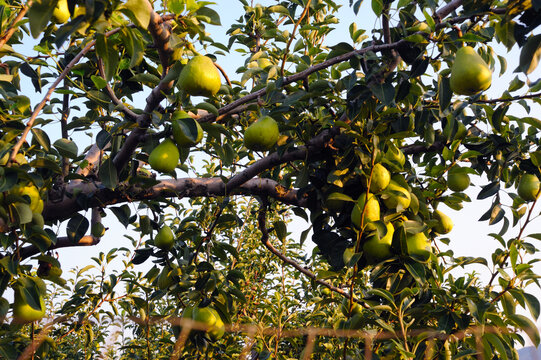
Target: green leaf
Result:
[66, 148]
[281, 230]
[99, 82]
[21, 212]
[108, 174]
[533, 305]
[122, 213]
[377, 7]
[529, 55]
[42, 138]
[530, 121]
[77, 227]
[384, 294]
[526, 325]
[139, 11]
[39, 15]
[211, 15]
[384, 92]
[495, 341]
[489, 190]
[208, 107]
[444, 92]
[147, 79]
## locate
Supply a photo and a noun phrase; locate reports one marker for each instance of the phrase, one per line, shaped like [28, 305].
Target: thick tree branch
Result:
[161, 34]
[94, 195]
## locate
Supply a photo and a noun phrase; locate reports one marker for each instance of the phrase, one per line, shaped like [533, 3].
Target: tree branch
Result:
[95, 195]
[161, 39]
[4, 39]
[265, 241]
[61, 242]
[304, 12]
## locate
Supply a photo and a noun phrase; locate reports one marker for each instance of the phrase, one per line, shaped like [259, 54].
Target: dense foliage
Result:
[376, 133]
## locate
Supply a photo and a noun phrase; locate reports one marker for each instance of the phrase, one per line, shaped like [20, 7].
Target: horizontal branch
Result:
[95, 195]
[61, 242]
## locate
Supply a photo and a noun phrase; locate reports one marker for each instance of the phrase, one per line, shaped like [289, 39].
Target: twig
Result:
[130, 114]
[494, 101]
[4, 39]
[47, 96]
[304, 12]
[265, 241]
[224, 74]
[64, 127]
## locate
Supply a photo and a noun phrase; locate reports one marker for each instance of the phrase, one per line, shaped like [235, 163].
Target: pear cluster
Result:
[380, 215]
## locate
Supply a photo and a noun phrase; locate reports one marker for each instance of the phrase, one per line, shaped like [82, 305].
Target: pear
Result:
[164, 157]
[165, 238]
[457, 181]
[377, 249]
[418, 245]
[262, 134]
[200, 77]
[186, 131]
[61, 12]
[380, 178]
[393, 200]
[528, 187]
[470, 73]
[371, 212]
[444, 225]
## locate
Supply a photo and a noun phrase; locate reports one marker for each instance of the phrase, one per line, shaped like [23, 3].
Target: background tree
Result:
[375, 134]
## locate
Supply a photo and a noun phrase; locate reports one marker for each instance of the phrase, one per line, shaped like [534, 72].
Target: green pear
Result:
[418, 245]
[165, 239]
[469, 73]
[457, 181]
[61, 12]
[377, 249]
[186, 131]
[23, 312]
[262, 134]
[528, 187]
[371, 213]
[164, 157]
[444, 225]
[396, 197]
[200, 77]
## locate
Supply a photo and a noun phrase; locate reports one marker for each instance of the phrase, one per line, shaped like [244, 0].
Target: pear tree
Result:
[281, 186]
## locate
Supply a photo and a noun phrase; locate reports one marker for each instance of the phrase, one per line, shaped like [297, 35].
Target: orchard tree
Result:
[127, 110]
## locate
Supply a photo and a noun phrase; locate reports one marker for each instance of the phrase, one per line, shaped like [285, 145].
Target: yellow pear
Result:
[444, 225]
[528, 187]
[36, 203]
[164, 157]
[470, 73]
[380, 178]
[61, 12]
[200, 77]
[262, 134]
[371, 213]
[22, 311]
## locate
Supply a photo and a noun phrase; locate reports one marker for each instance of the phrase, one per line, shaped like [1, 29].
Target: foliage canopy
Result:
[347, 114]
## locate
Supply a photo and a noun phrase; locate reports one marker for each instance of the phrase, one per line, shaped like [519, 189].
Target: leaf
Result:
[103, 138]
[489, 190]
[108, 174]
[526, 325]
[377, 7]
[21, 212]
[39, 15]
[529, 55]
[122, 213]
[147, 79]
[281, 230]
[384, 92]
[533, 305]
[77, 227]
[211, 15]
[42, 138]
[445, 93]
[208, 107]
[497, 344]
[139, 11]
[530, 121]
[66, 148]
